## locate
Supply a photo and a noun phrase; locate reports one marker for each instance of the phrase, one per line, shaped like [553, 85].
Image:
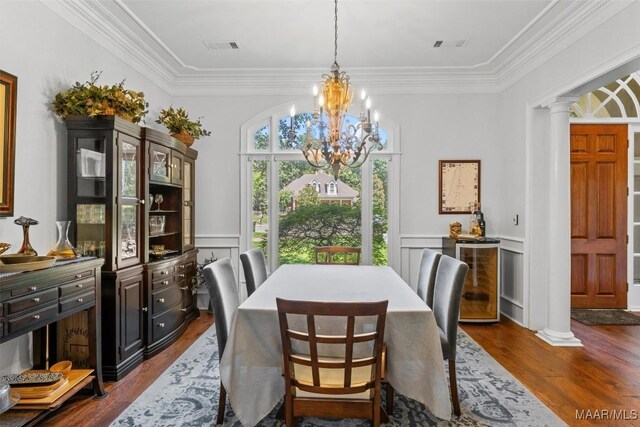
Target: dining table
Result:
[251, 366]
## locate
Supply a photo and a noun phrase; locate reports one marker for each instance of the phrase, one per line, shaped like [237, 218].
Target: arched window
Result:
[619, 99]
[358, 210]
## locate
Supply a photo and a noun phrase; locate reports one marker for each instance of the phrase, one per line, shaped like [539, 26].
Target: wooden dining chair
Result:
[224, 298]
[255, 269]
[337, 255]
[446, 309]
[320, 382]
[427, 275]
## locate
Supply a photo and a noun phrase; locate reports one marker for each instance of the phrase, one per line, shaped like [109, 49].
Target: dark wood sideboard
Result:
[32, 301]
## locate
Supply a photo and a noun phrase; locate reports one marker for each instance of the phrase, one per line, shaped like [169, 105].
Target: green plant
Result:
[177, 120]
[97, 100]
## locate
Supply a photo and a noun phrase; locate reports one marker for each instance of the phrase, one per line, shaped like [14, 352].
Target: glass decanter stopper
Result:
[26, 247]
[63, 248]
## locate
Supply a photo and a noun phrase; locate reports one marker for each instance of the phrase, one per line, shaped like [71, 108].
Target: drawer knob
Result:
[36, 316]
[161, 325]
[184, 310]
[165, 282]
[78, 276]
[160, 299]
[145, 309]
[33, 288]
[184, 288]
[35, 299]
[80, 300]
[181, 266]
[164, 272]
[79, 285]
[181, 275]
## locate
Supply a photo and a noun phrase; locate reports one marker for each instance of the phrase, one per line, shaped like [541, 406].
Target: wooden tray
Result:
[75, 377]
[37, 392]
[18, 263]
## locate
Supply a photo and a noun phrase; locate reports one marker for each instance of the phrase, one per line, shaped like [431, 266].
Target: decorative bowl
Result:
[63, 367]
[17, 262]
[4, 247]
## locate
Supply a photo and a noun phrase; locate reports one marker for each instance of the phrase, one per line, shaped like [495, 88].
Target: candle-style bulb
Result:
[292, 111]
[315, 90]
[376, 117]
[321, 100]
[368, 103]
[363, 94]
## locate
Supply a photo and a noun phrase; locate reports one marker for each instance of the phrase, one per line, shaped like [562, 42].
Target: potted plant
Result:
[93, 100]
[177, 121]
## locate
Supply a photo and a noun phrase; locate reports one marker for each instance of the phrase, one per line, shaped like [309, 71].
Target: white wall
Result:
[524, 139]
[48, 55]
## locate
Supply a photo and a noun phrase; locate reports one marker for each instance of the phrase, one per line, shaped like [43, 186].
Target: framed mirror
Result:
[8, 97]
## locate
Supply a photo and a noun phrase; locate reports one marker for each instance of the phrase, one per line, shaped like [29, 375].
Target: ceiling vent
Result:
[450, 43]
[220, 45]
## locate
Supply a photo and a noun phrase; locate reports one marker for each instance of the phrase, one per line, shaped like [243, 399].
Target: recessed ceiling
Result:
[298, 34]
[284, 45]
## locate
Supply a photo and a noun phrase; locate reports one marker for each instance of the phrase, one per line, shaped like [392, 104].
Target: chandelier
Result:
[330, 144]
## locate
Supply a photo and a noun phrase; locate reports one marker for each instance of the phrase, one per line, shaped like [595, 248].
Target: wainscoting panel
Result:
[219, 246]
[511, 270]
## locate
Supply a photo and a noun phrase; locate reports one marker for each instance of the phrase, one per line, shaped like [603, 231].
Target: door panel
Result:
[598, 216]
[131, 303]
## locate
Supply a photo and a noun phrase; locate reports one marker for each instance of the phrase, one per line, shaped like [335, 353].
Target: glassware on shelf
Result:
[25, 223]
[158, 199]
[63, 249]
[156, 224]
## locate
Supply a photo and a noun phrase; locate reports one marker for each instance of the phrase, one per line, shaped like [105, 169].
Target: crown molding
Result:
[506, 67]
[104, 28]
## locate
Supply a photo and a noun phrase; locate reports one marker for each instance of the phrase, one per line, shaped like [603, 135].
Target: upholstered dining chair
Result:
[223, 293]
[254, 267]
[344, 385]
[446, 309]
[337, 255]
[427, 275]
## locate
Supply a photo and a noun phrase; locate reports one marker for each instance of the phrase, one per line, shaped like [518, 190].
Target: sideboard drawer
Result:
[166, 281]
[31, 301]
[167, 322]
[43, 315]
[162, 273]
[165, 299]
[77, 301]
[77, 276]
[77, 287]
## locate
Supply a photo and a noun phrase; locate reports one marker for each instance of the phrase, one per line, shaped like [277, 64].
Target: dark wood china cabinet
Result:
[131, 199]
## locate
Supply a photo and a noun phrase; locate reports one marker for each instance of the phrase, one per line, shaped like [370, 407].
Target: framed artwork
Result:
[459, 186]
[8, 95]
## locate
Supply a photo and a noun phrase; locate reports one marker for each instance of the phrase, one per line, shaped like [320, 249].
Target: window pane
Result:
[260, 207]
[261, 139]
[311, 216]
[380, 210]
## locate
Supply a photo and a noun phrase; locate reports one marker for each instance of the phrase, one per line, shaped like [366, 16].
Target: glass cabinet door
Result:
[176, 168]
[159, 163]
[187, 206]
[91, 166]
[481, 288]
[90, 230]
[129, 202]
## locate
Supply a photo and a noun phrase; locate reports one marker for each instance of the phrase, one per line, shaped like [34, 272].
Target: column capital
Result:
[560, 104]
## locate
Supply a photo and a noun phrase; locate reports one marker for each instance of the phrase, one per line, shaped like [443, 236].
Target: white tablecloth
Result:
[251, 366]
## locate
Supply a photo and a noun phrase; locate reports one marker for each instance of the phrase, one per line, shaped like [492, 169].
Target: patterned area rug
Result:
[605, 317]
[186, 395]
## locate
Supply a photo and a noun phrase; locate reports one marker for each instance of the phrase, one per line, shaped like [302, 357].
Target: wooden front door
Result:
[598, 216]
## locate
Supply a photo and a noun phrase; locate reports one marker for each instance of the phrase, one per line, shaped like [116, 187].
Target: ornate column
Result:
[558, 330]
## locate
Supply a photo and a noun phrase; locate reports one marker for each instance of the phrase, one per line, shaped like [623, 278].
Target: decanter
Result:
[26, 248]
[63, 249]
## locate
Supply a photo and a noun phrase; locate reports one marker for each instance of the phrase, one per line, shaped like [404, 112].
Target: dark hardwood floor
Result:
[602, 375]
[86, 411]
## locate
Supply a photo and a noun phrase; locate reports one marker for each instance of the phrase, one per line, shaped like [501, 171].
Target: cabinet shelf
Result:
[170, 233]
[163, 211]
